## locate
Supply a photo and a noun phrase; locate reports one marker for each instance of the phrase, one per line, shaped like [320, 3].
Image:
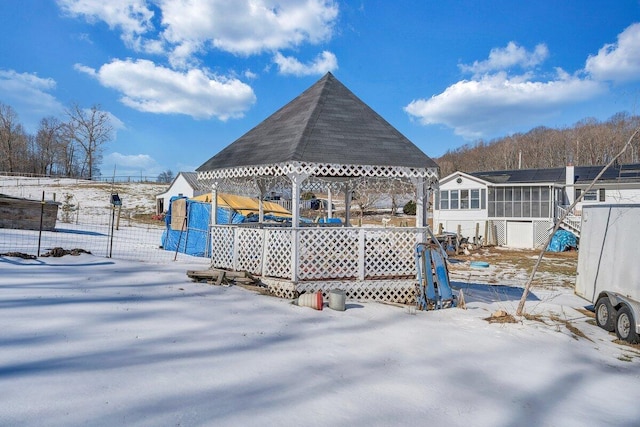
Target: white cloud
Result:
[29, 95]
[132, 17]
[188, 27]
[250, 75]
[132, 161]
[130, 165]
[148, 87]
[618, 62]
[497, 103]
[510, 56]
[323, 63]
[244, 27]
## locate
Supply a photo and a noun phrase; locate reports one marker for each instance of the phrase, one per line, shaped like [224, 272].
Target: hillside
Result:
[92, 197]
[587, 143]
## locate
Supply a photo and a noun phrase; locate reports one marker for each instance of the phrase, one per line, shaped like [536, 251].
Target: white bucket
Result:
[311, 300]
[337, 299]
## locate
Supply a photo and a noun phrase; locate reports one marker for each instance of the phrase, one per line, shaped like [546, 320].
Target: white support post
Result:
[347, 205]
[296, 183]
[361, 253]
[421, 203]
[261, 188]
[214, 203]
[329, 202]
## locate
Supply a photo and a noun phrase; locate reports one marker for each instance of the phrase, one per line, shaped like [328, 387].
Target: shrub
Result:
[409, 208]
[308, 195]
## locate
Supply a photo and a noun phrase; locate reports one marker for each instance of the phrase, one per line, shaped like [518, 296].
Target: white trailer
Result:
[609, 266]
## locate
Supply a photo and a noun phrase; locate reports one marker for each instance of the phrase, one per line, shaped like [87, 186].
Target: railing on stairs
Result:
[571, 221]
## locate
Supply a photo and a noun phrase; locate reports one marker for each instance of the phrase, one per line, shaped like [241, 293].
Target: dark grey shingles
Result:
[327, 123]
[583, 175]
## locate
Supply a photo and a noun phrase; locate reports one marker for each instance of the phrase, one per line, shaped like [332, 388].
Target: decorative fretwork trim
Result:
[319, 170]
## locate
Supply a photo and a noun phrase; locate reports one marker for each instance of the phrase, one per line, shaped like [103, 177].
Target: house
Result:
[518, 208]
[184, 184]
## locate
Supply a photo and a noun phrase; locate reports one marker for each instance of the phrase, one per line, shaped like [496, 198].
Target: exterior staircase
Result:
[571, 222]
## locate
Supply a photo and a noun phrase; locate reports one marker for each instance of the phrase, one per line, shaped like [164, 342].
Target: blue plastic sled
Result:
[433, 279]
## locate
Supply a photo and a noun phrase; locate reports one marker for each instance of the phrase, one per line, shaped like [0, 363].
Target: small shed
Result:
[25, 214]
[185, 184]
[326, 140]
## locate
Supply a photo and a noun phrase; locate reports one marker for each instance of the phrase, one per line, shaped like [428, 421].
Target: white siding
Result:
[178, 186]
[614, 196]
[465, 218]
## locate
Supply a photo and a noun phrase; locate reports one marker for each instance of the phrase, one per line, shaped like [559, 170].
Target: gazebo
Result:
[326, 139]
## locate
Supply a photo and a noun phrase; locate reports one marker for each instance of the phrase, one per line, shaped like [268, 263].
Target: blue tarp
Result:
[193, 240]
[561, 241]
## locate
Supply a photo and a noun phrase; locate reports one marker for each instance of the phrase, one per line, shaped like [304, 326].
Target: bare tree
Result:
[365, 200]
[13, 141]
[90, 129]
[49, 144]
[587, 143]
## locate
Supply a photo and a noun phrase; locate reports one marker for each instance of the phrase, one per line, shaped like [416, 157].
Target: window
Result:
[444, 199]
[461, 199]
[517, 202]
[592, 195]
[475, 199]
[491, 210]
[520, 202]
[454, 199]
[464, 199]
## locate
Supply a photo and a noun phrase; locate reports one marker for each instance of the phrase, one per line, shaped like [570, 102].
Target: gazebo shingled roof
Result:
[326, 139]
[327, 123]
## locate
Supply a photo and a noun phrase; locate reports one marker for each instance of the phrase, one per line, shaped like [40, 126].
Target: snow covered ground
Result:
[92, 341]
[89, 340]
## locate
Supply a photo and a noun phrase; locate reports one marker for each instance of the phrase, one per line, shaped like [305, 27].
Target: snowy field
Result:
[96, 341]
[91, 341]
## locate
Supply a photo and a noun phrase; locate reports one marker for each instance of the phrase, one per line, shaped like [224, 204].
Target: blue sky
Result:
[181, 79]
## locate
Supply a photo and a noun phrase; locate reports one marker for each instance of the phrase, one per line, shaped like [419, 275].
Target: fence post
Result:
[361, 253]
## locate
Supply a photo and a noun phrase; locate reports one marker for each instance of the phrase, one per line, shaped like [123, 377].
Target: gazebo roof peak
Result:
[325, 124]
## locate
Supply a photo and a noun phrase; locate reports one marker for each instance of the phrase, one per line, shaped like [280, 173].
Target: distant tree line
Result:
[71, 148]
[587, 143]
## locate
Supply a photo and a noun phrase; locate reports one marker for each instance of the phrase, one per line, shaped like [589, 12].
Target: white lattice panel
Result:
[328, 253]
[397, 291]
[501, 232]
[222, 247]
[541, 231]
[390, 253]
[248, 248]
[277, 262]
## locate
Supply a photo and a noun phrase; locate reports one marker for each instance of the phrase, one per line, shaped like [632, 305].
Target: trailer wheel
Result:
[626, 326]
[605, 314]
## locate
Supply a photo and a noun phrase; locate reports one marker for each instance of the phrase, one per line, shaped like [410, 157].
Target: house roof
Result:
[583, 175]
[327, 123]
[519, 176]
[192, 180]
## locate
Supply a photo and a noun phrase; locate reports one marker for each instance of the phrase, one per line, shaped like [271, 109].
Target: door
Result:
[520, 234]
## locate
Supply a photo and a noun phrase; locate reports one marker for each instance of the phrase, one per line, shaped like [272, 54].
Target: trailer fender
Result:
[617, 301]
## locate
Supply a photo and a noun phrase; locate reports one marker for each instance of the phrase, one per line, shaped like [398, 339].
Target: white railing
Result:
[354, 257]
[571, 220]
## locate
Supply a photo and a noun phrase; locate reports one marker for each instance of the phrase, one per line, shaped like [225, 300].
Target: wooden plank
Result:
[220, 278]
